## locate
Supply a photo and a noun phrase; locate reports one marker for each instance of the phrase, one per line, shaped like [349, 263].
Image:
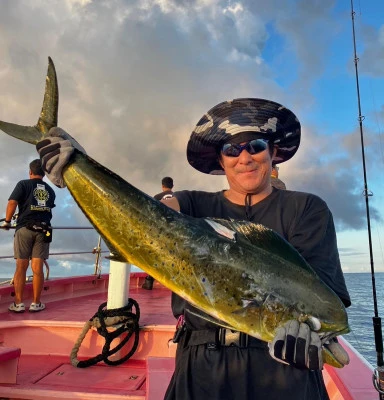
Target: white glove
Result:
[295, 344]
[6, 225]
[55, 151]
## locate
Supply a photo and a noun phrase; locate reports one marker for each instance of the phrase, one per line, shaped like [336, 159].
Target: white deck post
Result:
[118, 288]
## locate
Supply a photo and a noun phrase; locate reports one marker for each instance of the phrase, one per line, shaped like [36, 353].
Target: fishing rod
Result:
[378, 376]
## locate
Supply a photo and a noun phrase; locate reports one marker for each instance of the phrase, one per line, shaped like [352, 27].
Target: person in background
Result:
[241, 139]
[166, 189]
[275, 181]
[166, 193]
[35, 199]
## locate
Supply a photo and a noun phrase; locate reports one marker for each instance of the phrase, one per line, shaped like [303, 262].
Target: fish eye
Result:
[314, 323]
[301, 306]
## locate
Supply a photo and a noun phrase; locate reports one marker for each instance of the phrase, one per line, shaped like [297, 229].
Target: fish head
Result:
[328, 318]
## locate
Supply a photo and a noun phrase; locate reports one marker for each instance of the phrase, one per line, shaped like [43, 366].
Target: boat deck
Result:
[155, 305]
[46, 339]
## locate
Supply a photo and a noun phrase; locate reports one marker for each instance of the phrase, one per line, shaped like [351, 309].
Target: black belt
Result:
[213, 339]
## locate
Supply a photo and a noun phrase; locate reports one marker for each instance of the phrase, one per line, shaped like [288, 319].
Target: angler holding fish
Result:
[240, 284]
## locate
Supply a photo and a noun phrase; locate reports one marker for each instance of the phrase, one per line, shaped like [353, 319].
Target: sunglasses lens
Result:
[253, 147]
[257, 146]
[231, 150]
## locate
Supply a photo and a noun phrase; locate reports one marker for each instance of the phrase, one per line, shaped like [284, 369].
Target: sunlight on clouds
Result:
[65, 264]
[235, 56]
[236, 8]
[165, 6]
[5, 180]
[118, 112]
[75, 3]
[168, 6]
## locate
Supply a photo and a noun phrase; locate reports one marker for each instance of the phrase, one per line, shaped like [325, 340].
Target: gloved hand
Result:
[6, 225]
[295, 344]
[55, 151]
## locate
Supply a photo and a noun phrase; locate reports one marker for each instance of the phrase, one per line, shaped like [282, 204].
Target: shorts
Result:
[28, 244]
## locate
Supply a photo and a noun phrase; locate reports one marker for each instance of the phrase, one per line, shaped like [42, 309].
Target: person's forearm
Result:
[10, 211]
[172, 202]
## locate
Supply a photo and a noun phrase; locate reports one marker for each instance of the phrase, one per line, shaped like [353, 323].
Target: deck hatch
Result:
[96, 377]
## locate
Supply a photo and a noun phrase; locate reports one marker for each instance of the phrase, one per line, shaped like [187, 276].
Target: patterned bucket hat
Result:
[266, 118]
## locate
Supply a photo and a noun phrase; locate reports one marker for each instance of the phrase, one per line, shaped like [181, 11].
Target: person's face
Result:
[248, 173]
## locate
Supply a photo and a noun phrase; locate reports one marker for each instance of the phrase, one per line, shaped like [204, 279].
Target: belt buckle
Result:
[230, 338]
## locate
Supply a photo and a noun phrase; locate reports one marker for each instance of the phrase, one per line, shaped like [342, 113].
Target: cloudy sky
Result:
[135, 76]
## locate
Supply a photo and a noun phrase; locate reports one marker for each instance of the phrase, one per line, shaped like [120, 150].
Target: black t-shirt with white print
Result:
[35, 200]
[166, 194]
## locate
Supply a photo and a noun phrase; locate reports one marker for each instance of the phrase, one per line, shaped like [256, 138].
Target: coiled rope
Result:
[107, 318]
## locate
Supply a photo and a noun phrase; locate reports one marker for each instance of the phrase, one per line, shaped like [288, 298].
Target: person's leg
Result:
[22, 243]
[38, 278]
[40, 252]
[19, 279]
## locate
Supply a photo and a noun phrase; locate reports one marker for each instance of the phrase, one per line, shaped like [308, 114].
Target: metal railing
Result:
[96, 250]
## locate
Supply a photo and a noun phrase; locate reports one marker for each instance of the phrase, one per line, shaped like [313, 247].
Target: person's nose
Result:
[245, 157]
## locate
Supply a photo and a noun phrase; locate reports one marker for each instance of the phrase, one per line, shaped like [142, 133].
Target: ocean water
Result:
[362, 310]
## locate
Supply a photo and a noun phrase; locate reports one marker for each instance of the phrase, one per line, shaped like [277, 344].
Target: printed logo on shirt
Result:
[41, 195]
[167, 196]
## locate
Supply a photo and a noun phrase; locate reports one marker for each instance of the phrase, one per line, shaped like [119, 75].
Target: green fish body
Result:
[242, 274]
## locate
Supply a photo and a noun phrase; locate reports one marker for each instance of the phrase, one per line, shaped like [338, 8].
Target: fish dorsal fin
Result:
[265, 238]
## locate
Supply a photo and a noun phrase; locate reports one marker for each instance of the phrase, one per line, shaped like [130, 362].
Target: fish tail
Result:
[48, 114]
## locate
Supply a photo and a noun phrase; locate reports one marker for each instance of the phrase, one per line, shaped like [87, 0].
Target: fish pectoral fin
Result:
[247, 305]
[208, 318]
[116, 257]
[220, 228]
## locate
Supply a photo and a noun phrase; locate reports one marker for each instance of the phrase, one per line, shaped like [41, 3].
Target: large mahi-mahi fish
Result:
[249, 278]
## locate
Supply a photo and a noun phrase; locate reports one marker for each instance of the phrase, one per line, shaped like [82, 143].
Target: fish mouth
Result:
[327, 336]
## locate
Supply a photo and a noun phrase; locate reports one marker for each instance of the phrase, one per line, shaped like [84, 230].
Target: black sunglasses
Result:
[253, 147]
